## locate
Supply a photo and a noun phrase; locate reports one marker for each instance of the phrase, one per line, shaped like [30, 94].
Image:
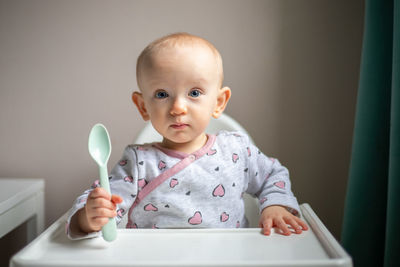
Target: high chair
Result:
[148, 135]
[190, 247]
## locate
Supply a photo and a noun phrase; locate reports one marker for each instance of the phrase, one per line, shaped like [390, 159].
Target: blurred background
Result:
[293, 68]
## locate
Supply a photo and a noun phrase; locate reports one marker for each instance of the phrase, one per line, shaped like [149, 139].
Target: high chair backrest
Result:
[148, 135]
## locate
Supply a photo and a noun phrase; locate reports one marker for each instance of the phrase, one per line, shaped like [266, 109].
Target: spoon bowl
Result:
[99, 144]
[100, 149]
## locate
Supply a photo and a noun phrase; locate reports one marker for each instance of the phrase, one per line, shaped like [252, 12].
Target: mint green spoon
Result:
[100, 150]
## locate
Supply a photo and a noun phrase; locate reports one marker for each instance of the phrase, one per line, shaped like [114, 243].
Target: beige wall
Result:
[292, 65]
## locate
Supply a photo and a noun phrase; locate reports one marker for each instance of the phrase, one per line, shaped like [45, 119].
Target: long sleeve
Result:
[123, 182]
[268, 180]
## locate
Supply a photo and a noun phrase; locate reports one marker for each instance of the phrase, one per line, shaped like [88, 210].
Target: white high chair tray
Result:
[188, 247]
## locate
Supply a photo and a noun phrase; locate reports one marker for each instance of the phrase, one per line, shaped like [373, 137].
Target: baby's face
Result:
[180, 87]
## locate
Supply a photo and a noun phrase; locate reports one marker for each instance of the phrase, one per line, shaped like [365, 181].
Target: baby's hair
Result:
[178, 39]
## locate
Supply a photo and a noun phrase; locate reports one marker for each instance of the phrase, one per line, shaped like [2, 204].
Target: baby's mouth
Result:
[179, 126]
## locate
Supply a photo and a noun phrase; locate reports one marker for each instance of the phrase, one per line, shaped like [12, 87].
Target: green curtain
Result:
[371, 225]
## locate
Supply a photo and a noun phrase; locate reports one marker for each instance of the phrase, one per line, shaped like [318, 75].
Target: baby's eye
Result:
[161, 94]
[195, 93]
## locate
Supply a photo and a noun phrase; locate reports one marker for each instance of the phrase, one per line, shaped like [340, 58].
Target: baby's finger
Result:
[301, 223]
[267, 225]
[103, 213]
[99, 222]
[116, 199]
[99, 192]
[100, 211]
[103, 203]
[292, 222]
[282, 226]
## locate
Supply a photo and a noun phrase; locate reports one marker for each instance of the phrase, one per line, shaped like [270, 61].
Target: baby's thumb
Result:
[116, 199]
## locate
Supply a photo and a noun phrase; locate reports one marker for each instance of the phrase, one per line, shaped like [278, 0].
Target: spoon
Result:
[100, 150]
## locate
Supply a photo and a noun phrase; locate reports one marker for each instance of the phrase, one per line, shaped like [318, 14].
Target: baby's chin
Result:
[177, 141]
[182, 141]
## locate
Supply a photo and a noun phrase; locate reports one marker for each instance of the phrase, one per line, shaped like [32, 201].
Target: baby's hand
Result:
[278, 216]
[100, 206]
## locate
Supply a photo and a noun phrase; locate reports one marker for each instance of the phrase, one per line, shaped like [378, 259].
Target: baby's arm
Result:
[92, 209]
[280, 217]
[100, 206]
[269, 181]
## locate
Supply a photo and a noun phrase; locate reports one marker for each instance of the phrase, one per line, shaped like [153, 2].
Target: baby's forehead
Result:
[167, 50]
[165, 45]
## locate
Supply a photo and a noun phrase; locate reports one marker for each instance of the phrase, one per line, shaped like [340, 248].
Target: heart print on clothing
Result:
[150, 207]
[161, 165]
[219, 191]
[280, 184]
[211, 152]
[174, 182]
[196, 218]
[235, 157]
[224, 217]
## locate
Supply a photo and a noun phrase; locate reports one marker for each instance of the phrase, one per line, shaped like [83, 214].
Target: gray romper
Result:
[162, 188]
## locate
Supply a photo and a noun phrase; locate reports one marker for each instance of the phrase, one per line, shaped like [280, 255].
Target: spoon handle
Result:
[110, 229]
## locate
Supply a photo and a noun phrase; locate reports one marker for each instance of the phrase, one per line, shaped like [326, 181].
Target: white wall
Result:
[292, 65]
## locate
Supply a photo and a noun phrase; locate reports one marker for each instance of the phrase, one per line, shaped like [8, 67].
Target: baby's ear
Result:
[137, 98]
[223, 97]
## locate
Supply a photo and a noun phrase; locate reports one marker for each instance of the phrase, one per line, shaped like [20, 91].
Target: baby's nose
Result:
[178, 107]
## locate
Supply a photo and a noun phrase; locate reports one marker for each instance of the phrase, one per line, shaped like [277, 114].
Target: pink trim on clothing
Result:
[170, 152]
[182, 155]
[186, 161]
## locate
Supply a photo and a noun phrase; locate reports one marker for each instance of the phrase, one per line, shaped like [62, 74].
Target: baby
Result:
[191, 179]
